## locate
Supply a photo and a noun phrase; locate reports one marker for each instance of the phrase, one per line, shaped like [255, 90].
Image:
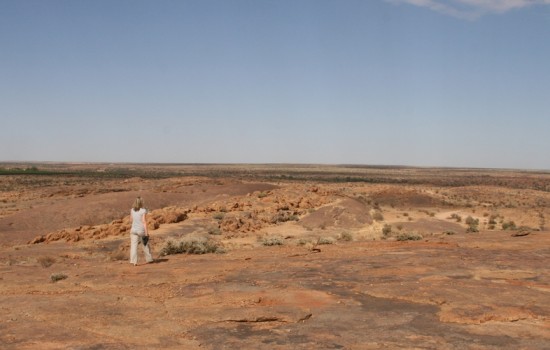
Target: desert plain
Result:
[274, 257]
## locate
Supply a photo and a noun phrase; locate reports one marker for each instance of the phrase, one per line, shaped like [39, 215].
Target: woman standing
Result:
[139, 231]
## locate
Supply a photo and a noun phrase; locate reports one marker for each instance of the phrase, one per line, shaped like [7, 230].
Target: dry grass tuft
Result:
[46, 261]
[54, 277]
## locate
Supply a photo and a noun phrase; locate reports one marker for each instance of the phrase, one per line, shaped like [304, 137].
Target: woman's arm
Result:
[144, 221]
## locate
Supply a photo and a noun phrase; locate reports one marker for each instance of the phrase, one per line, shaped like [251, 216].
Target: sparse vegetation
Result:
[509, 225]
[492, 219]
[427, 212]
[345, 236]
[472, 224]
[455, 217]
[46, 261]
[218, 216]
[273, 240]
[386, 230]
[325, 240]
[377, 215]
[409, 237]
[191, 246]
[284, 216]
[213, 230]
[54, 277]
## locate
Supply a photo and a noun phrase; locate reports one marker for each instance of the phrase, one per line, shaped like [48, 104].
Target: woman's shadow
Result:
[158, 261]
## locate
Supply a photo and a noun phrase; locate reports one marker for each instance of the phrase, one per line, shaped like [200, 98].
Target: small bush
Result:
[283, 216]
[325, 240]
[213, 230]
[198, 246]
[58, 277]
[386, 230]
[377, 215]
[472, 224]
[46, 261]
[271, 241]
[456, 217]
[262, 194]
[509, 225]
[346, 236]
[409, 237]
[218, 216]
[471, 221]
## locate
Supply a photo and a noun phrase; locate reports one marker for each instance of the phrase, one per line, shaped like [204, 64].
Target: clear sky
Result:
[462, 83]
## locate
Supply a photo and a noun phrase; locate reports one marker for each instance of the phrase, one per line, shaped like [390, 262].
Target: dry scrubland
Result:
[274, 257]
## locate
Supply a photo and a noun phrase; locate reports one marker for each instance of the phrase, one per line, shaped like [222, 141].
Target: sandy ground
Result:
[305, 265]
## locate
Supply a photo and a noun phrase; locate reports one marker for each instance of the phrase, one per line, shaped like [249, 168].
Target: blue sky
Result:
[462, 83]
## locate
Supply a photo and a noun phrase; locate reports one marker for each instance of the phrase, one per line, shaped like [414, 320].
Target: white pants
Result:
[134, 240]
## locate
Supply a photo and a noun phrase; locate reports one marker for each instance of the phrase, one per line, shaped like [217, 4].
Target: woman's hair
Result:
[138, 204]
